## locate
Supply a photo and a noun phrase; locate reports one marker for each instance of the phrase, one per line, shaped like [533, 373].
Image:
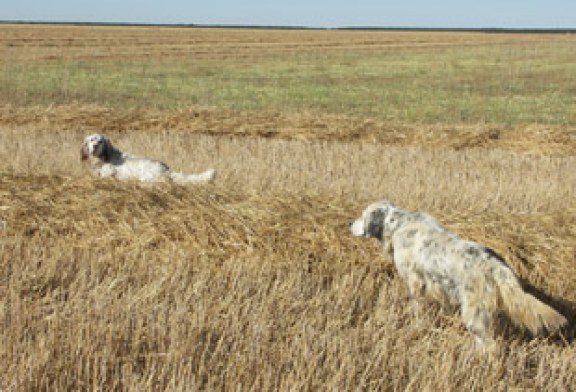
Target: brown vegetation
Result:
[538, 139]
[255, 283]
[45, 43]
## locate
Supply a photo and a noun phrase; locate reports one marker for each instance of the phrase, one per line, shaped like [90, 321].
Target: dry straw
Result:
[255, 282]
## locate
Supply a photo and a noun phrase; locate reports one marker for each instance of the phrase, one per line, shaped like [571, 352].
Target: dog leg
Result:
[416, 290]
[478, 322]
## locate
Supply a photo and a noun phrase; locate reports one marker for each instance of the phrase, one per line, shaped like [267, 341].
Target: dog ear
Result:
[106, 150]
[375, 227]
[83, 152]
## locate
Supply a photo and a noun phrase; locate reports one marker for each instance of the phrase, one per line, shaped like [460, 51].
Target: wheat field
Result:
[254, 282]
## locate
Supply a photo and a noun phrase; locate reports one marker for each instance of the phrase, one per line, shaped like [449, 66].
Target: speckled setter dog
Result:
[108, 161]
[438, 264]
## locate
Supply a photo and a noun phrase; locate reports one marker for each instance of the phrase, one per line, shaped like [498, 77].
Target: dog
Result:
[108, 161]
[438, 264]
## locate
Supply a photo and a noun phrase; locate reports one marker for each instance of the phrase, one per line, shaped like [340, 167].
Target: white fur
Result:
[108, 161]
[440, 265]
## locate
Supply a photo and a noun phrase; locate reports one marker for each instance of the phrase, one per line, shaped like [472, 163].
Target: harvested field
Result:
[533, 138]
[395, 77]
[254, 282]
[42, 42]
[131, 287]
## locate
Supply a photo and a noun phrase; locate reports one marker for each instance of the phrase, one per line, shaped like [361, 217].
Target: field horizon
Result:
[255, 282]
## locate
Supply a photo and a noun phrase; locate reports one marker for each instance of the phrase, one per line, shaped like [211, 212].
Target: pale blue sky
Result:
[321, 13]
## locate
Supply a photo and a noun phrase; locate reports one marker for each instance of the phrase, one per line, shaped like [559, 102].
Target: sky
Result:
[307, 13]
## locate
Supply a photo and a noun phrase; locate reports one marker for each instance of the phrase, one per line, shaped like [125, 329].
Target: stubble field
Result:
[254, 282]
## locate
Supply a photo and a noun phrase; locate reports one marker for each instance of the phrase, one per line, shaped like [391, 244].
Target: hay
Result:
[255, 283]
[124, 286]
[534, 139]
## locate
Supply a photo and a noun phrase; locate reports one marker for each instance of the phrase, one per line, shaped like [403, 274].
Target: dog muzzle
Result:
[357, 228]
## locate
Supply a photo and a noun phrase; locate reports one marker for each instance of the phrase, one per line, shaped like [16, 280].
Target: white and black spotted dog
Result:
[108, 161]
[438, 264]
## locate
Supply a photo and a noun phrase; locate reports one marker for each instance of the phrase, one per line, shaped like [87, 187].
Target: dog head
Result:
[96, 146]
[372, 222]
[379, 220]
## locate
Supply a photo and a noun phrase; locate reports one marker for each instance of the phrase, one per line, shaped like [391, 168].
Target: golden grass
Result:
[96, 43]
[255, 282]
[471, 178]
[304, 126]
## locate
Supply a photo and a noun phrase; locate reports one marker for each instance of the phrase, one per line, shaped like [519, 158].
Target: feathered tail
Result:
[202, 178]
[526, 310]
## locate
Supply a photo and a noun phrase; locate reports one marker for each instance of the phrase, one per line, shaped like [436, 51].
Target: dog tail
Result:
[524, 309]
[202, 178]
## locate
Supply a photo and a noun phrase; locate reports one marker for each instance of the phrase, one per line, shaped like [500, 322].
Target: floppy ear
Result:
[375, 227]
[106, 150]
[83, 152]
